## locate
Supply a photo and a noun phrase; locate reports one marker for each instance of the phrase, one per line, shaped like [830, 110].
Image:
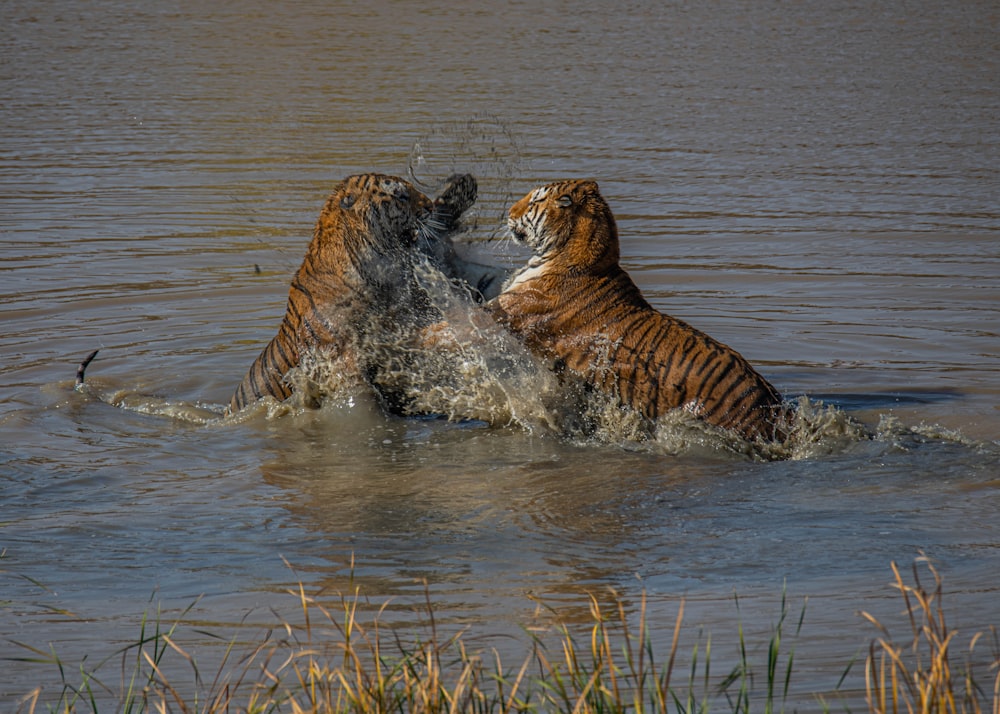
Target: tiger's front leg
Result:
[459, 194]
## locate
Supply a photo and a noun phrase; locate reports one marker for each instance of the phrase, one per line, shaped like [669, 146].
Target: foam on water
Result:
[134, 401]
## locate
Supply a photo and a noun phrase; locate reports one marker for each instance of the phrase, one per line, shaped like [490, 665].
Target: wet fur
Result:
[574, 304]
[356, 272]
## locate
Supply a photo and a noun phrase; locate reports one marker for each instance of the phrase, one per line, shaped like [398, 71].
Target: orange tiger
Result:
[574, 304]
[357, 275]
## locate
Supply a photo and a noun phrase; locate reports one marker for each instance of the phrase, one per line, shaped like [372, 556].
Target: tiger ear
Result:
[565, 200]
[348, 201]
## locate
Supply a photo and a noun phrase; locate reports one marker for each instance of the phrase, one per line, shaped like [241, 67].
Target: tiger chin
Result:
[575, 306]
[355, 287]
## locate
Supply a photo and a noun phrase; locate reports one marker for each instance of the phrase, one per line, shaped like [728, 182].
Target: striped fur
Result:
[357, 267]
[574, 304]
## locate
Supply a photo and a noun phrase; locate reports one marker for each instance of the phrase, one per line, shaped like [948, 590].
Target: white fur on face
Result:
[529, 228]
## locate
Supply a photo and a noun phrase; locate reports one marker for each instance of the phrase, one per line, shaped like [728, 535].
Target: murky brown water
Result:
[815, 184]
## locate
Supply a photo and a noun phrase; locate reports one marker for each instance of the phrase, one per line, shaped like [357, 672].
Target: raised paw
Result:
[456, 198]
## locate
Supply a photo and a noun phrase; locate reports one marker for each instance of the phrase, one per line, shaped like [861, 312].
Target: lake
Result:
[815, 184]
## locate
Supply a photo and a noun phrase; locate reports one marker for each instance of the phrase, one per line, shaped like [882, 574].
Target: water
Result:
[816, 185]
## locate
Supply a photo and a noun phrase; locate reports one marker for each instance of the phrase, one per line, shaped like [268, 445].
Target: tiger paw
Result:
[459, 193]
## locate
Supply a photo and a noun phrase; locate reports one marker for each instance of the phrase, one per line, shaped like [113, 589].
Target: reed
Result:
[922, 675]
[335, 659]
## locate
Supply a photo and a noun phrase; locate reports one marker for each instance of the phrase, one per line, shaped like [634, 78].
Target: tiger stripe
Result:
[357, 260]
[573, 303]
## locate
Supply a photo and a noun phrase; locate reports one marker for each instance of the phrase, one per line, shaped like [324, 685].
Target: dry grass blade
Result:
[342, 658]
[922, 677]
[167, 687]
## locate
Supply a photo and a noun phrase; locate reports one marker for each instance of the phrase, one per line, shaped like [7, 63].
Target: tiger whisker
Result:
[435, 224]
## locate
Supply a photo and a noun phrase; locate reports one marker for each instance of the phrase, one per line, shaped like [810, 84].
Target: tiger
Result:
[575, 306]
[356, 276]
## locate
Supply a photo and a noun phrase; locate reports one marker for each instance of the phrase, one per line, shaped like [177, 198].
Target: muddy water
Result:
[814, 184]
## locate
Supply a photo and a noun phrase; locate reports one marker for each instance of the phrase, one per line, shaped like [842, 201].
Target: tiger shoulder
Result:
[574, 304]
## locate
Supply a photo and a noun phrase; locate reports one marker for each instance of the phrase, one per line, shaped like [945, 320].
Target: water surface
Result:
[814, 184]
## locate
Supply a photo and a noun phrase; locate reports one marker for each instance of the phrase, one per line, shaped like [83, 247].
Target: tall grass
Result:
[336, 659]
[921, 675]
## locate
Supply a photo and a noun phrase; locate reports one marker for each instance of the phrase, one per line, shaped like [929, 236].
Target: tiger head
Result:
[567, 223]
[367, 229]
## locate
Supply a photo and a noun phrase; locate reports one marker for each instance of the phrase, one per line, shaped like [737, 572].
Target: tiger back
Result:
[357, 269]
[575, 305]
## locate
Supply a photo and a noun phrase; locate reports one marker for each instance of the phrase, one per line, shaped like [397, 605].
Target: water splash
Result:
[466, 367]
[475, 371]
[483, 145]
[898, 436]
[130, 400]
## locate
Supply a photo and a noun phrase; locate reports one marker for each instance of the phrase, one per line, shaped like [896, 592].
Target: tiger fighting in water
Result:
[574, 305]
[356, 286]
[357, 278]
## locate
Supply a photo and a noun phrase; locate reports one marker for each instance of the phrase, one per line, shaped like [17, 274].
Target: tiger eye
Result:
[565, 201]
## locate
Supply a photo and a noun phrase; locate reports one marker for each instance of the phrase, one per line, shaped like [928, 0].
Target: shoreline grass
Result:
[922, 675]
[333, 661]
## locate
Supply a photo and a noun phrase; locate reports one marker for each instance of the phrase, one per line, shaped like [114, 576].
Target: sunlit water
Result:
[815, 185]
